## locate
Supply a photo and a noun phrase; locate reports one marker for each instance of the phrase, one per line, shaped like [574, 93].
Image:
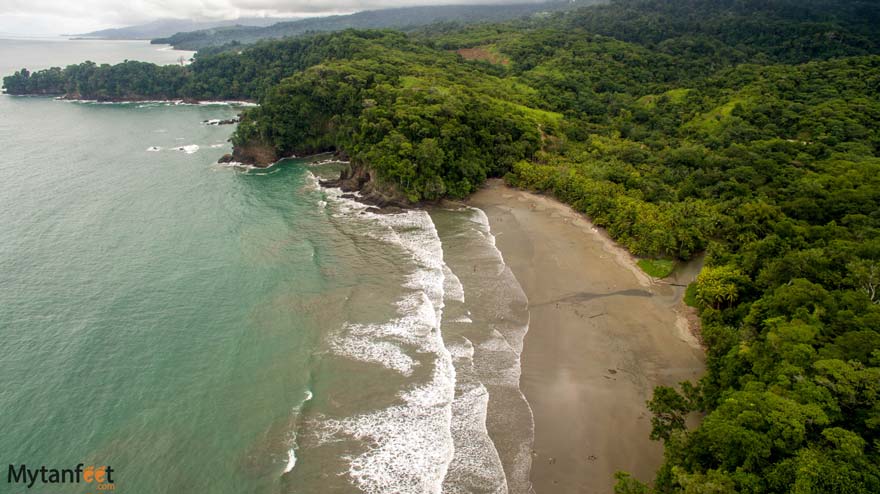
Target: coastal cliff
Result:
[253, 153]
[359, 177]
[356, 176]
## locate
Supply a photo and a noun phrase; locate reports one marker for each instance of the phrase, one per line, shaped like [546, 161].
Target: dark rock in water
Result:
[351, 179]
[386, 209]
[356, 177]
[226, 158]
[228, 121]
[255, 153]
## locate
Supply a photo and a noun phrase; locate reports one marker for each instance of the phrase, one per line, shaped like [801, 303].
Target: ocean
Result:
[207, 328]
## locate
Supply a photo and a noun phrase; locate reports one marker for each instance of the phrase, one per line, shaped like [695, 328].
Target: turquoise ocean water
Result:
[205, 328]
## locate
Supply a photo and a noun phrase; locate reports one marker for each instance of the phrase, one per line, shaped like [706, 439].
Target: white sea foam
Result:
[229, 103]
[234, 164]
[327, 162]
[291, 460]
[476, 464]
[141, 103]
[343, 207]
[312, 183]
[436, 440]
[291, 453]
[499, 367]
[383, 353]
[452, 286]
[410, 445]
[188, 149]
[165, 102]
[463, 350]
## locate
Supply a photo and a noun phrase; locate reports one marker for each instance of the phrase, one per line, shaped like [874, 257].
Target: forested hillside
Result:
[742, 30]
[747, 130]
[169, 27]
[399, 18]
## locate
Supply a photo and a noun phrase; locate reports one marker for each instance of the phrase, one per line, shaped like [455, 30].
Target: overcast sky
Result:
[47, 17]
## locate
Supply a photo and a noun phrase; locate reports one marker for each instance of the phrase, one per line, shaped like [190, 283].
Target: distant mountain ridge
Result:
[168, 27]
[396, 18]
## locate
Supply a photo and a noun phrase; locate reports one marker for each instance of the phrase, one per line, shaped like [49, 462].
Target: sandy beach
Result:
[602, 334]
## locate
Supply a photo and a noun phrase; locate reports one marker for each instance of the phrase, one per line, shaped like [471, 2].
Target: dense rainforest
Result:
[745, 129]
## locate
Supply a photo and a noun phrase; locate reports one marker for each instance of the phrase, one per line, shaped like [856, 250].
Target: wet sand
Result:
[602, 334]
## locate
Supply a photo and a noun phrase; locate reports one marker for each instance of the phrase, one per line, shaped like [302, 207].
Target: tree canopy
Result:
[749, 130]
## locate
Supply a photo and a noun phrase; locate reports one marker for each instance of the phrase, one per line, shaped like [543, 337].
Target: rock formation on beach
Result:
[358, 177]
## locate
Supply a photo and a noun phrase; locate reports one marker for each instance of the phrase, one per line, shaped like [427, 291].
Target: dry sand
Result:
[602, 334]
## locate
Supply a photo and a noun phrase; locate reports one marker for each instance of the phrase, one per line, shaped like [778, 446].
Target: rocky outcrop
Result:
[253, 153]
[357, 177]
[228, 121]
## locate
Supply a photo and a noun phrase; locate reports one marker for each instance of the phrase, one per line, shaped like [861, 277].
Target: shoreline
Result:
[602, 334]
[121, 101]
[177, 101]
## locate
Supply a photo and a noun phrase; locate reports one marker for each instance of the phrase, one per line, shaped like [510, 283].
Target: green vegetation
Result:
[220, 74]
[746, 129]
[757, 31]
[690, 296]
[658, 268]
[420, 118]
[404, 18]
